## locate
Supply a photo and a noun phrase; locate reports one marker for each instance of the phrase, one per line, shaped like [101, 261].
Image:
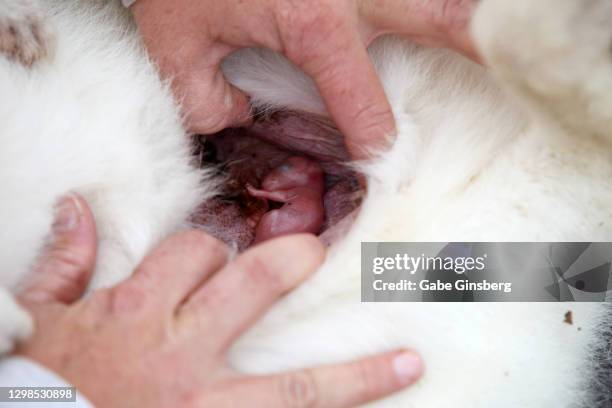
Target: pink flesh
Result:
[299, 184]
[316, 194]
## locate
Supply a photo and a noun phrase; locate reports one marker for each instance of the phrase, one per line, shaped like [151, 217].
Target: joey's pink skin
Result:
[299, 184]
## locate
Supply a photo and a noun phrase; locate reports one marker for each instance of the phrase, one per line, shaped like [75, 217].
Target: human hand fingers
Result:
[64, 269]
[325, 41]
[333, 386]
[175, 268]
[244, 289]
[187, 54]
[439, 23]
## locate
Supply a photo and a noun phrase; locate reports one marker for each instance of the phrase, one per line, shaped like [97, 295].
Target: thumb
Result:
[209, 102]
[189, 56]
[64, 269]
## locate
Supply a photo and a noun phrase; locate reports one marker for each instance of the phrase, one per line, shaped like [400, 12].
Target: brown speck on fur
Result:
[568, 318]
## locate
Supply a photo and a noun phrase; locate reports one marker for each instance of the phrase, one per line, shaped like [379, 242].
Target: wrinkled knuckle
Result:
[69, 279]
[263, 276]
[374, 120]
[69, 266]
[299, 390]
[329, 73]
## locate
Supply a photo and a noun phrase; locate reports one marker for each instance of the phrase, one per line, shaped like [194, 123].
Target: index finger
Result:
[333, 386]
[352, 92]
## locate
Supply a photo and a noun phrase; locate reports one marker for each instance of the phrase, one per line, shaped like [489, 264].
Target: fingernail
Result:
[408, 367]
[67, 215]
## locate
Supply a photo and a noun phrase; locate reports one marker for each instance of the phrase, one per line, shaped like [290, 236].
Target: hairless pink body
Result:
[299, 184]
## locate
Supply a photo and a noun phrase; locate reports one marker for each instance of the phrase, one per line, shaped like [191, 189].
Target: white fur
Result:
[96, 121]
[471, 163]
[24, 35]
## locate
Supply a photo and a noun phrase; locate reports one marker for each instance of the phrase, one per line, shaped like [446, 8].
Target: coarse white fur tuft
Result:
[517, 152]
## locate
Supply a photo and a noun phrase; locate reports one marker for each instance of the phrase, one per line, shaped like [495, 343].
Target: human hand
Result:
[434, 23]
[327, 39]
[160, 338]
